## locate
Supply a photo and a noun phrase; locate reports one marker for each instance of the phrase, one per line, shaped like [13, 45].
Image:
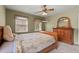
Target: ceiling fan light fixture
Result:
[44, 21]
[44, 13]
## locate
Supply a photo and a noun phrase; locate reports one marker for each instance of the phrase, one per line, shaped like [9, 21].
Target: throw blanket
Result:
[32, 42]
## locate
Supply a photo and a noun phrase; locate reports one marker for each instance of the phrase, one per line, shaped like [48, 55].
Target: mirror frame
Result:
[69, 23]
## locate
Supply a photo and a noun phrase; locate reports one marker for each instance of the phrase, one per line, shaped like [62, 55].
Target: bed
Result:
[38, 42]
[5, 47]
[35, 42]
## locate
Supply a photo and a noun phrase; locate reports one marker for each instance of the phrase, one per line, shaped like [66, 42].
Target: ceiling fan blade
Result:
[50, 9]
[44, 6]
[38, 11]
[45, 9]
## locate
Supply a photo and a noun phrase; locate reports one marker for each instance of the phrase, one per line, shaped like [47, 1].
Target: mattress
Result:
[32, 42]
[7, 47]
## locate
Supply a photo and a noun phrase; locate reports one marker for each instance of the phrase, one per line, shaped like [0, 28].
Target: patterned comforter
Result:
[32, 42]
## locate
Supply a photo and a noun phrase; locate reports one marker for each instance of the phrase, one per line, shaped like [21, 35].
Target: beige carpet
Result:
[66, 48]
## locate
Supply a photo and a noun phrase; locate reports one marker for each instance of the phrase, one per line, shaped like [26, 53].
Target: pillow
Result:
[7, 33]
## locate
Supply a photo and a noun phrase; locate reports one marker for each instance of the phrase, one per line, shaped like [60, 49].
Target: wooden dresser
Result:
[64, 34]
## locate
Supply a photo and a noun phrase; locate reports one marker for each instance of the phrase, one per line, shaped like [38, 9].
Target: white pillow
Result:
[7, 33]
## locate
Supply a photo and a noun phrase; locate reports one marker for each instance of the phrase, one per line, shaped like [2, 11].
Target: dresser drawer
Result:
[65, 34]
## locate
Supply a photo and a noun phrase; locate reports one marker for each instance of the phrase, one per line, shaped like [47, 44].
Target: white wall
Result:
[72, 14]
[78, 28]
[2, 15]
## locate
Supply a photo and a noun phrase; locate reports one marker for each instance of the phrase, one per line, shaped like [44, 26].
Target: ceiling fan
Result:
[45, 10]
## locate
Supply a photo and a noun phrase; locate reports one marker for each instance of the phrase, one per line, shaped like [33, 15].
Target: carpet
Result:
[66, 48]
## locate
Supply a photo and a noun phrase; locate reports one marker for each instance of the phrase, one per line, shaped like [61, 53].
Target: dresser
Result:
[65, 34]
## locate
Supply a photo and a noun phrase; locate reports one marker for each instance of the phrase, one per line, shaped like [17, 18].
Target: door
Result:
[38, 25]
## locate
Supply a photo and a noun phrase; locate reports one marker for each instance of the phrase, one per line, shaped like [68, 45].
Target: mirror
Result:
[63, 22]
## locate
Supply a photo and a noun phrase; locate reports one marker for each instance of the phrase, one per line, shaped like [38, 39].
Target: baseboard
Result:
[76, 43]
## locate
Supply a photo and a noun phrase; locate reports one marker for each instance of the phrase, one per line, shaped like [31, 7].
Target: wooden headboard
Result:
[1, 34]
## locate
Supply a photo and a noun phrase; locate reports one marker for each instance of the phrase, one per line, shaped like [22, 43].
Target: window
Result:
[38, 25]
[21, 24]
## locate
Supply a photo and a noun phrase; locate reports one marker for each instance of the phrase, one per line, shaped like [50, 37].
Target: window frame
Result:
[21, 31]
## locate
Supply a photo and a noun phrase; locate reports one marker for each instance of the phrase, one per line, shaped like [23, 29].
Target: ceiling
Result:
[32, 9]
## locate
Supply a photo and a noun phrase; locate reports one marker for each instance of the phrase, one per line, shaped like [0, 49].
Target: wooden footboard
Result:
[51, 47]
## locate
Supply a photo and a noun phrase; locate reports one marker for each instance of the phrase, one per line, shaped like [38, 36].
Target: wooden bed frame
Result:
[45, 50]
[1, 35]
[51, 47]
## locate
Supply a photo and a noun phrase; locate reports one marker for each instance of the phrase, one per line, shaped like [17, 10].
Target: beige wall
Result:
[2, 15]
[72, 14]
[10, 19]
